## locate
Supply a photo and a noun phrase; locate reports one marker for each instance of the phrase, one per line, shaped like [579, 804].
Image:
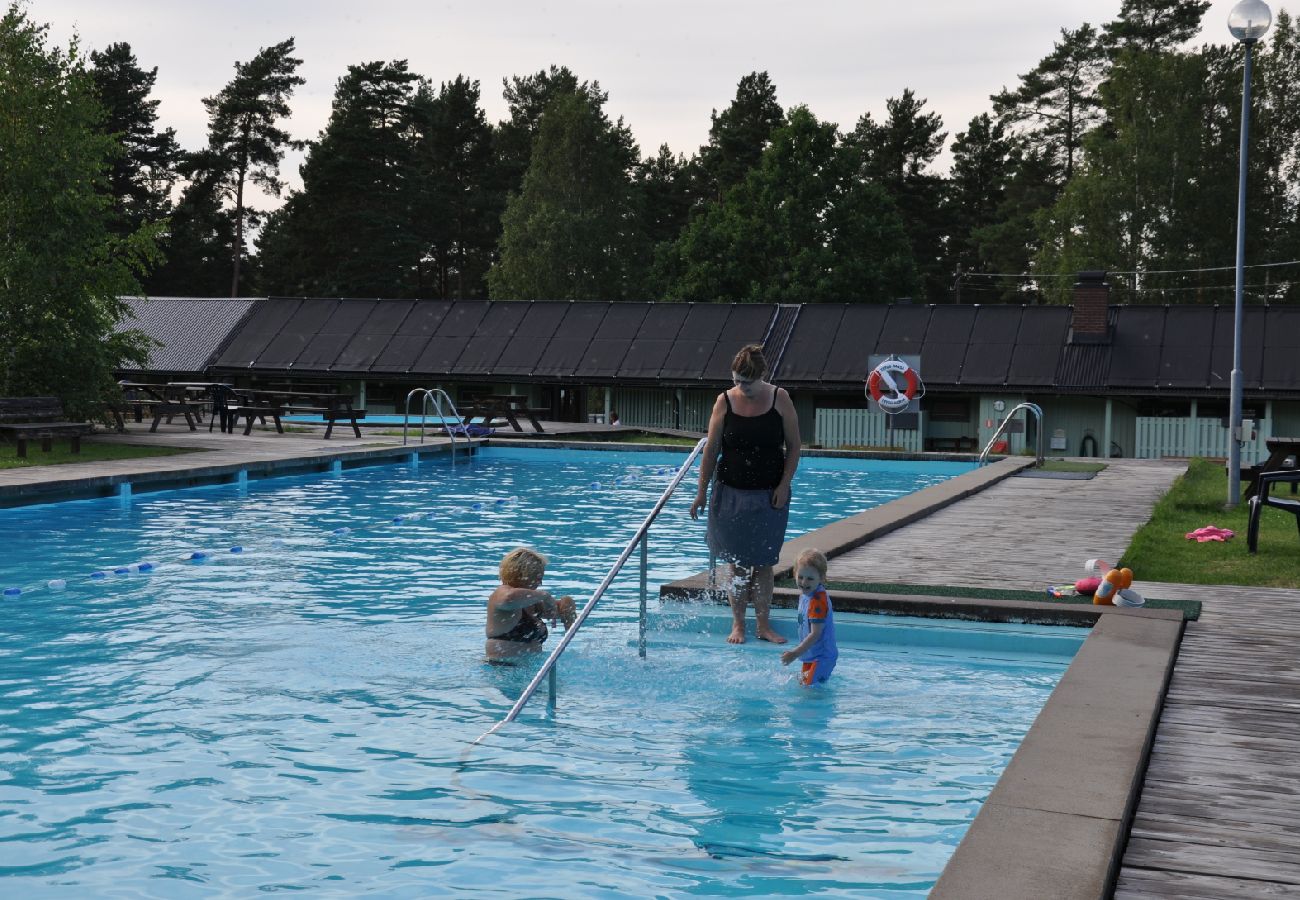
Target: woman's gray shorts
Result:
[744, 528]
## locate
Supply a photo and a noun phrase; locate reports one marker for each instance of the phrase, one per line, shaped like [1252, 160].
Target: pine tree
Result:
[740, 133]
[983, 160]
[143, 173]
[245, 143]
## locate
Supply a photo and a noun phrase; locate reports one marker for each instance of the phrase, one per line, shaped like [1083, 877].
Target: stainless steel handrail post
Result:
[645, 563]
[433, 396]
[548, 667]
[1029, 408]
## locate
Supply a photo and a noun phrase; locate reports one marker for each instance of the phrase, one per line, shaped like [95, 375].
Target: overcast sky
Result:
[666, 64]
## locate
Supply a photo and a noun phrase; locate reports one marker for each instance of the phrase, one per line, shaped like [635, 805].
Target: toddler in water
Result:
[816, 647]
[515, 610]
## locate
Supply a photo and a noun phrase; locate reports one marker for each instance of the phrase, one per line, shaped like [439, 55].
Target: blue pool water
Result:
[298, 715]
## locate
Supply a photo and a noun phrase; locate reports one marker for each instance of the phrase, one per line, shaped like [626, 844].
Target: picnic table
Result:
[507, 407]
[257, 404]
[162, 401]
[1283, 455]
[216, 394]
[24, 418]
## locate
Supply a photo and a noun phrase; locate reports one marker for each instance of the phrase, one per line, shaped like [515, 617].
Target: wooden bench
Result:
[332, 408]
[24, 418]
[159, 401]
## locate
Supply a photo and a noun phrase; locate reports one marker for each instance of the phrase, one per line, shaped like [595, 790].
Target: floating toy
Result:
[236, 549]
[13, 591]
[143, 567]
[893, 385]
[1057, 591]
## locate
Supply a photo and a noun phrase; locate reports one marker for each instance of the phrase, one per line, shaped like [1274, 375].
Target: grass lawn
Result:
[646, 437]
[1067, 465]
[90, 452]
[1160, 551]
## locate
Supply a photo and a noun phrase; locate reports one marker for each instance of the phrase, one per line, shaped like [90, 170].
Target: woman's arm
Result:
[790, 424]
[522, 598]
[709, 460]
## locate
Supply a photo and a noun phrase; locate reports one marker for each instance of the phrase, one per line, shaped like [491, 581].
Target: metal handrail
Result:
[641, 537]
[434, 395]
[1029, 408]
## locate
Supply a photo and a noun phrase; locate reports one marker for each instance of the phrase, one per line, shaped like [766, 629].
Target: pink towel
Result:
[1210, 533]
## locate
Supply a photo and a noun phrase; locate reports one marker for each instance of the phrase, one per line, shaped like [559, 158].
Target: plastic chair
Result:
[1262, 499]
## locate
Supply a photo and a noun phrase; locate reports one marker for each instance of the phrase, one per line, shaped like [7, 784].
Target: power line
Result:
[1027, 277]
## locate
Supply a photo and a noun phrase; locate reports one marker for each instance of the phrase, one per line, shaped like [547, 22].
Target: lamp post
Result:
[1248, 21]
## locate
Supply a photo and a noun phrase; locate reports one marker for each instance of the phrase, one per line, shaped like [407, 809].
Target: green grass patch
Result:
[647, 437]
[1069, 465]
[1191, 609]
[90, 452]
[1160, 551]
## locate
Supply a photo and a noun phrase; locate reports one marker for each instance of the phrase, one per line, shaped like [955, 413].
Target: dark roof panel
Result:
[1280, 366]
[402, 352]
[747, 324]
[622, 321]
[944, 351]
[257, 331]
[535, 330]
[805, 352]
[904, 330]
[1037, 354]
[439, 356]
[647, 353]
[854, 342]
[485, 349]
[1252, 347]
[1135, 347]
[463, 318]
[992, 344]
[1185, 356]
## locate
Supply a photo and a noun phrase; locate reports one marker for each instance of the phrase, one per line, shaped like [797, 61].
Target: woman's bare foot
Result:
[737, 635]
[765, 633]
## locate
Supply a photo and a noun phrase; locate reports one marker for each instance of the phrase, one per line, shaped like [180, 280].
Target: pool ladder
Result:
[641, 538]
[434, 396]
[1028, 408]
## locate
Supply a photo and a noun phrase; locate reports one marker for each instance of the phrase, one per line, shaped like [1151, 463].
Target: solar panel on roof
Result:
[602, 359]
[987, 363]
[583, 320]
[537, 327]
[1135, 346]
[950, 325]
[282, 352]
[704, 321]
[1280, 366]
[1037, 356]
[439, 356]
[463, 318]
[688, 359]
[321, 351]
[361, 352]
[941, 363]
[401, 353]
[996, 325]
[854, 342]
[904, 329]
[261, 327]
[563, 357]
[386, 317]
[805, 351]
[645, 358]
[349, 316]
[425, 317]
[1185, 355]
[622, 321]
[1252, 347]
[663, 322]
[310, 317]
[747, 324]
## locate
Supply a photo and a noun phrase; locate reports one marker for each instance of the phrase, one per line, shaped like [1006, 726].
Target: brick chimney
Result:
[1091, 302]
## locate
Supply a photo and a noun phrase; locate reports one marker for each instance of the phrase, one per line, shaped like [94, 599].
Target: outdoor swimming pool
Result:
[298, 715]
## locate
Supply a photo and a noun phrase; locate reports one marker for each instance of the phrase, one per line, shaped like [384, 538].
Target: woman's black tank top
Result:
[753, 449]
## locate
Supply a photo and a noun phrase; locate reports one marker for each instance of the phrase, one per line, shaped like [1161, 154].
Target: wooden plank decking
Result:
[1219, 814]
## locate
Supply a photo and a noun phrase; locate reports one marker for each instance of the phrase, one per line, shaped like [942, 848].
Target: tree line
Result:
[1117, 151]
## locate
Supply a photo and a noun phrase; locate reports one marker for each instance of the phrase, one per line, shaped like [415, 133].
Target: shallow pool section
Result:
[298, 715]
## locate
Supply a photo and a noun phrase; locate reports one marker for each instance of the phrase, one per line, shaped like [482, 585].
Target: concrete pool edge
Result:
[178, 472]
[1056, 822]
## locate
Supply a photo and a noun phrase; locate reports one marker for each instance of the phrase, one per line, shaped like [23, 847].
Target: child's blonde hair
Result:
[521, 567]
[814, 558]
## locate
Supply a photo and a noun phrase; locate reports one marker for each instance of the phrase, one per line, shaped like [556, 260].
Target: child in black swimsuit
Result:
[516, 609]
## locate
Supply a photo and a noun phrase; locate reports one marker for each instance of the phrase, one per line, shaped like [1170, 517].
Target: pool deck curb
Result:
[1056, 822]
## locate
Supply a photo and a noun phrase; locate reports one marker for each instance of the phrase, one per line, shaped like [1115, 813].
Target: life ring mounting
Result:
[893, 385]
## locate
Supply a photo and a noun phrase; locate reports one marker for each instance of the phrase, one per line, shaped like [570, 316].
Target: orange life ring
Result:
[887, 392]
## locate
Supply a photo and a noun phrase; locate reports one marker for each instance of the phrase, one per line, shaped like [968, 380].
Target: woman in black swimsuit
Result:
[515, 609]
[753, 449]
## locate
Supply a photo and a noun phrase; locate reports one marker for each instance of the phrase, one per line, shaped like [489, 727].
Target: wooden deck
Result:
[1219, 814]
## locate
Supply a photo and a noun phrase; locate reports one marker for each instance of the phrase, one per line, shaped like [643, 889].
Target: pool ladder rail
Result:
[547, 671]
[1028, 408]
[434, 396]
